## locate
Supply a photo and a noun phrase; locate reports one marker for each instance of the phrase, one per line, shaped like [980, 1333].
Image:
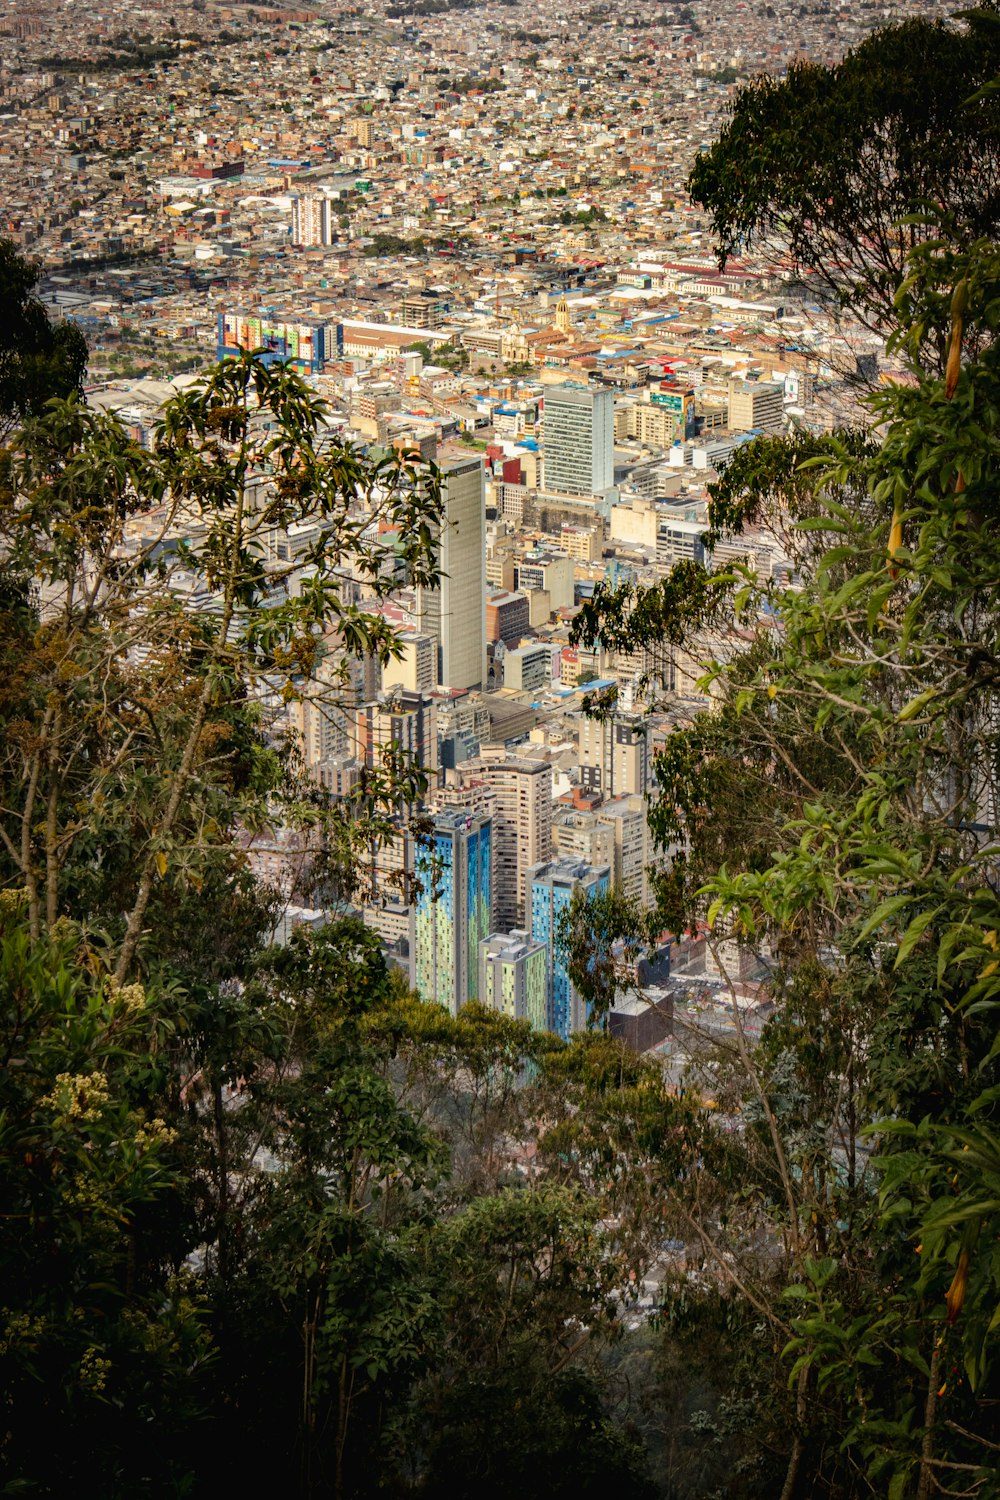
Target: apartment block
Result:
[453, 911]
[552, 887]
[513, 977]
[522, 832]
[402, 724]
[614, 756]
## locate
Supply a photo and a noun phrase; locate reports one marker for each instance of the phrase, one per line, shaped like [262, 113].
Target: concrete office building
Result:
[522, 832]
[513, 977]
[578, 434]
[454, 613]
[528, 669]
[453, 912]
[756, 405]
[614, 756]
[552, 886]
[416, 668]
[552, 572]
[508, 618]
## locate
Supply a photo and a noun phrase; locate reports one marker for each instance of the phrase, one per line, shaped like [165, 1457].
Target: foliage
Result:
[38, 360]
[860, 742]
[161, 751]
[600, 936]
[99, 1330]
[843, 163]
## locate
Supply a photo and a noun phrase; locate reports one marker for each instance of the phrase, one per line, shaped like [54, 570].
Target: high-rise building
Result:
[453, 865]
[314, 220]
[454, 613]
[578, 434]
[401, 722]
[552, 886]
[416, 668]
[613, 833]
[514, 975]
[756, 405]
[522, 832]
[626, 817]
[614, 756]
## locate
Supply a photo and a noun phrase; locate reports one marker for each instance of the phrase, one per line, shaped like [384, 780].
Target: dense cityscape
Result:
[498, 696]
[471, 231]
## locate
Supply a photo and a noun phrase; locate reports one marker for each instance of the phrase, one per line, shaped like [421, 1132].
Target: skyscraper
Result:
[453, 908]
[614, 756]
[454, 613]
[522, 832]
[552, 886]
[578, 434]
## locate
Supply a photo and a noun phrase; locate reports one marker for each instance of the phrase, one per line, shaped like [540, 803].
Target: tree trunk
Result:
[795, 1457]
[925, 1488]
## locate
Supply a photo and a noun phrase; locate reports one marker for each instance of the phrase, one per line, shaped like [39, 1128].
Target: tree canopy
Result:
[38, 359]
[834, 812]
[853, 165]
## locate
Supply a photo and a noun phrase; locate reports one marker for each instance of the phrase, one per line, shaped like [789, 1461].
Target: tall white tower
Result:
[454, 613]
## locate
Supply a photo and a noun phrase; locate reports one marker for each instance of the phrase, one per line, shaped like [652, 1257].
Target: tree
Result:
[39, 359]
[902, 872]
[600, 937]
[464, 1076]
[100, 1330]
[526, 1281]
[130, 719]
[838, 810]
[327, 1285]
[845, 164]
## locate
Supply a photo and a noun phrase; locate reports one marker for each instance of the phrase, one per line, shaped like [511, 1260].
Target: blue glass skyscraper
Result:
[551, 887]
[454, 907]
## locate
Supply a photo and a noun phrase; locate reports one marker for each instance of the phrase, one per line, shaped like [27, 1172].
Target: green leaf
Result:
[913, 934]
[911, 709]
[883, 914]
